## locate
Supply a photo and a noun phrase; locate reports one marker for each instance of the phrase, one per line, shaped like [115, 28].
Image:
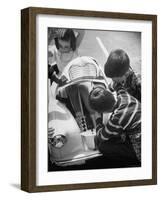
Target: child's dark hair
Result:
[117, 64]
[101, 100]
[68, 36]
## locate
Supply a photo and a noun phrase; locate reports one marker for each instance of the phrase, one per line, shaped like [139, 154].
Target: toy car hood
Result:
[73, 151]
[82, 68]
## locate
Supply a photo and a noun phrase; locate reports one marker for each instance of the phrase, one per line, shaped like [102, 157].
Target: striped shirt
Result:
[125, 119]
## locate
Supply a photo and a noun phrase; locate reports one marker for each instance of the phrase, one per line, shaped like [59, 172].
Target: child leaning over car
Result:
[124, 122]
[119, 70]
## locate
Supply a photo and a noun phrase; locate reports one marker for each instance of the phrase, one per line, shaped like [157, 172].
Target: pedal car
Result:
[71, 141]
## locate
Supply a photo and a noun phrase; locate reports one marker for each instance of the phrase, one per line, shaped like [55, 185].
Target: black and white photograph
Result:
[94, 99]
[89, 99]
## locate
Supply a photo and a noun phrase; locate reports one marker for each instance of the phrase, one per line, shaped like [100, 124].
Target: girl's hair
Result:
[68, 36]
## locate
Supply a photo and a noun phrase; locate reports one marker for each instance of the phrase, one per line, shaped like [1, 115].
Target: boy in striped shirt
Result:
[124, 122]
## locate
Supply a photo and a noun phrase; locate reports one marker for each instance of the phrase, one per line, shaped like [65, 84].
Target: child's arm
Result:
[54, 78]
[108, 132]
[60, 81]
[52, 74]
[52, 69]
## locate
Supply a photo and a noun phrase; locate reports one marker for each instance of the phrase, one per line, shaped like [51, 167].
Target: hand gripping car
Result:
[71, 122]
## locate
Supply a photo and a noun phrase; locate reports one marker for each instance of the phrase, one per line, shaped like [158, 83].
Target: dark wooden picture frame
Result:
[28, 98]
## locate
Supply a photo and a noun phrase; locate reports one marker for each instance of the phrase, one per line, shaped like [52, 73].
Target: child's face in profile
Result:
[118, 79]
[64, 46]
[121, 79]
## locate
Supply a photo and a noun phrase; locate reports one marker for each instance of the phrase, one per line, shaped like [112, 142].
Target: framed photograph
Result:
[88, 99]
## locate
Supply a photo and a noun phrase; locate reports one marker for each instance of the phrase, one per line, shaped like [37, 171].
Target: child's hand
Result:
[54, 78]
[63, 80]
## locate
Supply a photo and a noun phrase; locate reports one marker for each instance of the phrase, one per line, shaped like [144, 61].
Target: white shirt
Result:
[61, 59]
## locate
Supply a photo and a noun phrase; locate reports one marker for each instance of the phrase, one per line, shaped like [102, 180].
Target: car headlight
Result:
[58, 141]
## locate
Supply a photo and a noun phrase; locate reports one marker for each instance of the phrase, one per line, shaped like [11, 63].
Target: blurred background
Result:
[128, 41]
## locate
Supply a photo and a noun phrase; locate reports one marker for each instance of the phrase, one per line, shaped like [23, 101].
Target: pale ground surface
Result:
[128, 41]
